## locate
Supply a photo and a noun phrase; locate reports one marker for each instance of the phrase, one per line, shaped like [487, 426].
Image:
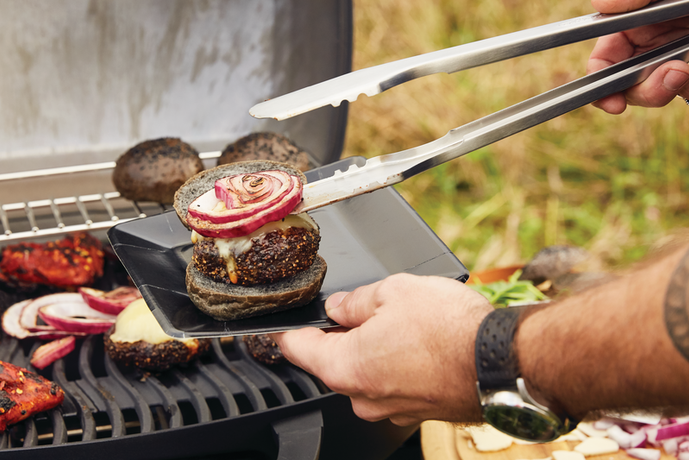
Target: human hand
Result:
[405, 350]
[664, 84]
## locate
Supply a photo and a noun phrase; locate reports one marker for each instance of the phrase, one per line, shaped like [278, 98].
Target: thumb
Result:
[352, 309]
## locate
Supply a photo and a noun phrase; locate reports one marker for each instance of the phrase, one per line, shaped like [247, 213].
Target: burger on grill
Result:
[251, 256]
[154, 169]
[265, 146]
[136, 339]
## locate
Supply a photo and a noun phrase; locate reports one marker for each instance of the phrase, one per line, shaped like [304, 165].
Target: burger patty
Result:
[154, 357]
[273, 257]
[264, 349]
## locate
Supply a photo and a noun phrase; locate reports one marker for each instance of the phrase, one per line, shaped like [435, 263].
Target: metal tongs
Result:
[389, 169]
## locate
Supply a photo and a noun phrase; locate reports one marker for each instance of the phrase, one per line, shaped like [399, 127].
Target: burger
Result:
[251, 256]
[137, 340]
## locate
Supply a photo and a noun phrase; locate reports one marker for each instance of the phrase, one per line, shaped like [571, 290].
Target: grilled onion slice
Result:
[242, 203]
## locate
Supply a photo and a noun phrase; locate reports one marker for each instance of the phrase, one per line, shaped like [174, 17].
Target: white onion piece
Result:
[670, 446]
[588, 429]
[627, 439]
[644, 454]
[638, 439]
[683, 456]
[76, 317]
[29, 314]
[683, 446]
[604, 424]
[597, 446]
[620, 436]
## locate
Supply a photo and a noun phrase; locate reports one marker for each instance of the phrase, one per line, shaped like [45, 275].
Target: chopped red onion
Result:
[644, 454]
[52, 351]
[672, 431]
[626, 440]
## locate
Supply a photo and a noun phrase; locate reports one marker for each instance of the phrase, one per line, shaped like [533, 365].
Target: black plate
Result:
[363, 240]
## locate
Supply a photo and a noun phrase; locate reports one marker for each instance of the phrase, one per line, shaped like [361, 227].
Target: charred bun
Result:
[225, 302]
[153, 170]
[265, 146]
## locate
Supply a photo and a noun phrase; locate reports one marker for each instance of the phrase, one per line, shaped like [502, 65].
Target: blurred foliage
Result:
[611, 184]
[511, 292]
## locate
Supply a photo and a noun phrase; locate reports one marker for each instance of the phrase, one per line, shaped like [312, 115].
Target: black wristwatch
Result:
[505, 403]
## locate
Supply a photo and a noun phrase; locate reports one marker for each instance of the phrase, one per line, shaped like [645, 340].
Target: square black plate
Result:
[363, 240]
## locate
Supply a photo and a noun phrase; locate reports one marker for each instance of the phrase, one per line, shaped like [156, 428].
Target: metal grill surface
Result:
[104, 400]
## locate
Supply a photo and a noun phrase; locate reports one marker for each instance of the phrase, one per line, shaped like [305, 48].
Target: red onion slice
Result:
[76, 317]
[10, 320]
[29, 314]
[52, 351]
[256, 190]
[112, 302]
[672, 431]
[240, 204]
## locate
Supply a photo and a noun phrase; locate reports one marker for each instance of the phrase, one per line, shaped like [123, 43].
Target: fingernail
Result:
[334, 301]
[674, 80]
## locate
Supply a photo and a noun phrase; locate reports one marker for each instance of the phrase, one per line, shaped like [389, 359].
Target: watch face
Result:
[522, 422]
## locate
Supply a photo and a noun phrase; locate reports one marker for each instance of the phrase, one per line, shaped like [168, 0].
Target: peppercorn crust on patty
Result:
[274, 256]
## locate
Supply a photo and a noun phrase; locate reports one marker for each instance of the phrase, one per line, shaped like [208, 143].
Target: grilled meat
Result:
[264, 349]
[76, 260]
[23, 393]
[276, 256]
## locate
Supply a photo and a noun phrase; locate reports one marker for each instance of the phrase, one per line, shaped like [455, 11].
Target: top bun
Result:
[265, 146]
[205, 181]
[153, 170]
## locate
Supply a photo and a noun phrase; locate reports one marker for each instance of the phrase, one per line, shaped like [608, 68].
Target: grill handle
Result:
[299, 437]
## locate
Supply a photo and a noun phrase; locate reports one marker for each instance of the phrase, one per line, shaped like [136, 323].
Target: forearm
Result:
[609, 348]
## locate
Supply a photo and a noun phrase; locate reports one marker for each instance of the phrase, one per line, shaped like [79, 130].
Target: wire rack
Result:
[48, 217]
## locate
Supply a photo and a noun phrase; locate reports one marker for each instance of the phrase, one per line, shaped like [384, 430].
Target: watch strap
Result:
[496, 362]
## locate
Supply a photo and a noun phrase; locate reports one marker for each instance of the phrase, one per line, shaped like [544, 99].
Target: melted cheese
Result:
[230, 248]
[136, 322]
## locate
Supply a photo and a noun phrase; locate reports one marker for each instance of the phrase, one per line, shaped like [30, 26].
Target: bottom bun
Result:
[226, 302]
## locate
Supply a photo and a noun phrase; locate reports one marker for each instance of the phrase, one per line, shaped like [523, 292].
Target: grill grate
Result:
[47, 217]
[105, 401]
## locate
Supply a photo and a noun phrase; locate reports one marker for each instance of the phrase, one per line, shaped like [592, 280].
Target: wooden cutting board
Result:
[444, 441]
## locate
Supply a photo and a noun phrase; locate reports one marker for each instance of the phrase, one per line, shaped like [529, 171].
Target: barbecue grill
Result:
[83, 82]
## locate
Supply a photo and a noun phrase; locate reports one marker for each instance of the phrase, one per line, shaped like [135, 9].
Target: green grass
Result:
[614, 185]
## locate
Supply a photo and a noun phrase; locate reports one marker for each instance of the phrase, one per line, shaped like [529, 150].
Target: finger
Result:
[352, 309]
[608, 51]
[299, 346]
[662, 86]
[401, 411]
[618, 6]
[614, 104]
[321, 354]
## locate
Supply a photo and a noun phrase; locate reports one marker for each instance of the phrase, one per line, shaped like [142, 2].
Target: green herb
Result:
[505, 293]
